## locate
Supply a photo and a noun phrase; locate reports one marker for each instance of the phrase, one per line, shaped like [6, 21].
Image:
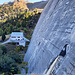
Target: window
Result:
[18, 37]
[13, 37]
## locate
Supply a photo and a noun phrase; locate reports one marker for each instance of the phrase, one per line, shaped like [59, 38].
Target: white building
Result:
[18, 38]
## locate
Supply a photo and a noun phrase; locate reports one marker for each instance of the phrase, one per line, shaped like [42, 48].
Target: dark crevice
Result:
[54, 45]
[72, 65]
[39, 43]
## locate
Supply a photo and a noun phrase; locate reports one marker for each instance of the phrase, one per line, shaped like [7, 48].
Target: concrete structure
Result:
[55, 29]
[17, 37]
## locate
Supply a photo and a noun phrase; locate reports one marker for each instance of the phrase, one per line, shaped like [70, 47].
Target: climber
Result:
[63, 51]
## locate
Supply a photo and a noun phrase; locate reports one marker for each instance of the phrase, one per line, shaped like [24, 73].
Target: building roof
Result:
[17, 34]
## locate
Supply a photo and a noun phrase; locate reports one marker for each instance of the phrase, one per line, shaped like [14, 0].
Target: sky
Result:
[3, 1]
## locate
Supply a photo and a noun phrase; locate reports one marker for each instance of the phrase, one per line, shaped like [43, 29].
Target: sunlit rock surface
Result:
[55, 29]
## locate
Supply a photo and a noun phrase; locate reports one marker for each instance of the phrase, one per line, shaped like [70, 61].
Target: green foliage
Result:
[19, 48]
[17, 19]
[23, 24]
[2, 74]
[3, 36]
[19, 72]
[10, 29]
[5, 62]
[17, 24]
[14, 70]
[22, 57]
[1, 31]
[26, 70]
[32, 13]
[16, 57]
[36, 11]
[3, 48]
[25, 63]
[25, 30]
[13, 43]
[8, 61]
[1, 52]
[28, 36]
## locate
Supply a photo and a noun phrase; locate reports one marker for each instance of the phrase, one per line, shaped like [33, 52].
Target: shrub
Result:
[14, 70]
[19, 48]
[13, 43]
[16, 57]
[3, 36]
[1, 31]
[25, 30]
[19, 72]
[1, 52]
[25, 63]
[5, 62]
[8, 61]
[3, 48]
[26, 70]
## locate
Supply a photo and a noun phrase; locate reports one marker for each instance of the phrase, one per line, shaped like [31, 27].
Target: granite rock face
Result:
[55, 29]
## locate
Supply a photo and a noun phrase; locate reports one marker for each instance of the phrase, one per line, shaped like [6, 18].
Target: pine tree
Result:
[3, 36]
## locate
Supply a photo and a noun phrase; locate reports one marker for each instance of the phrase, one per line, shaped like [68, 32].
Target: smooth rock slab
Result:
[55, 29]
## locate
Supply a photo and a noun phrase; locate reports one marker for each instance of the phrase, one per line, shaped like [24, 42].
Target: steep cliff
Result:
[54, 31]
